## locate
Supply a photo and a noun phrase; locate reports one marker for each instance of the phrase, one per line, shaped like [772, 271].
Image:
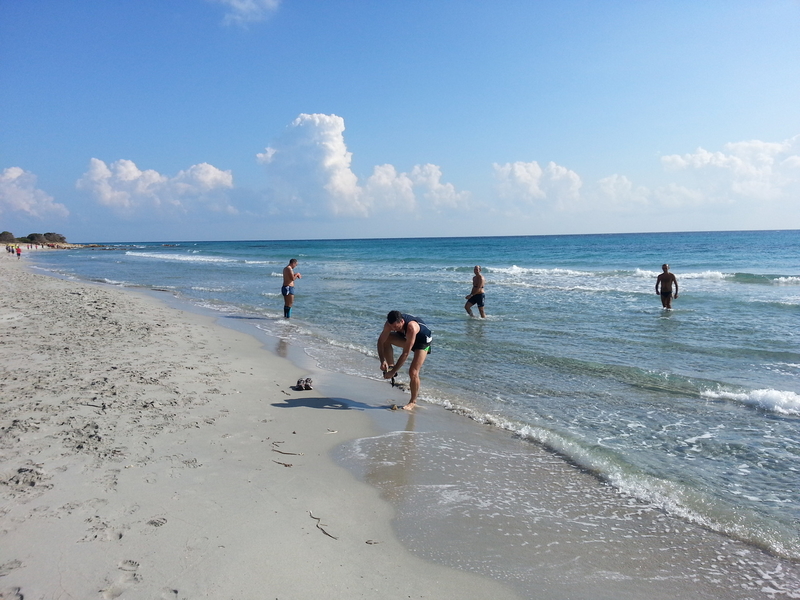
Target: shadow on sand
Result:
[329, 403]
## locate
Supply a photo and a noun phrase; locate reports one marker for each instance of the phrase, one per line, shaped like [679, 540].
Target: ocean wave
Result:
[179, 257]
[114, 282]
[777, 401]
[787, 280]
[646, 273]
[715, 275]
[516, 271]
[756, 278]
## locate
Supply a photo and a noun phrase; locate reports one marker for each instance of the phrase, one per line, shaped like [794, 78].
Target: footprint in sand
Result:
[101, 530]
[124, 580]
[128, 565]
[157, 522]
[11, 594]
[6, 568]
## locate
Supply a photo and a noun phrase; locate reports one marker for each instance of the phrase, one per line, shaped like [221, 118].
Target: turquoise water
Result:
[695, 410]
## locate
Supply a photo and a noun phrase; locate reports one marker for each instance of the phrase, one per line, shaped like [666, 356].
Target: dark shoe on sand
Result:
[307, 384]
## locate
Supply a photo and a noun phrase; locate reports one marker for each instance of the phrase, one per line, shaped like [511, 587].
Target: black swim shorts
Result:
[478, 300]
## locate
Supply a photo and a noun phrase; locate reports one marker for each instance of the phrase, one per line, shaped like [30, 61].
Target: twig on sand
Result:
[317, 519]
[274, 449]
[289, 453]
[282, 463]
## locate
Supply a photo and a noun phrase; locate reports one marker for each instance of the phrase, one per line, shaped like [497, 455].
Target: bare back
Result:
[478, 282]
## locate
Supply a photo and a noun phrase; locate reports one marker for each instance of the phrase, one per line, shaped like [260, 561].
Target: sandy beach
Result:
[148, 453]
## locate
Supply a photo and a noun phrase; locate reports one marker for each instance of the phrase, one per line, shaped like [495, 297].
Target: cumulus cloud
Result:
[241, 12]
[619, 191]
[18, 193]
[126, 188]
[753, 169]
[309, 169]
[747, 174]
[529, 182]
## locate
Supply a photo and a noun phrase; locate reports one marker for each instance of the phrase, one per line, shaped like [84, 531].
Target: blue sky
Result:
[145, 120]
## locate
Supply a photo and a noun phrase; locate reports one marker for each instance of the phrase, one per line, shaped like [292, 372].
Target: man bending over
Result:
[411, 335]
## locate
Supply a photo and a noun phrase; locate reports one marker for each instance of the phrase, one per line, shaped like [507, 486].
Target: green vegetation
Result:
[6, 237]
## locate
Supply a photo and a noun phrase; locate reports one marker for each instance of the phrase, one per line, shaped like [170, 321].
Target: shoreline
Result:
[575, 538]
[145, 455]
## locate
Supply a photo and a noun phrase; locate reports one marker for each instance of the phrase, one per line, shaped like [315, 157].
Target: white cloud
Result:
[754, 170]
[619, 191]
[127, 189]
[309, 171]
[18, 193]
[266, 157]
[678, 196]
[246, 11]
[530, 183]
[391, 189]
[428, 178]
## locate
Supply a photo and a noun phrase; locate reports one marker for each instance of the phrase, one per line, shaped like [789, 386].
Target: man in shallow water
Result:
[665, 281]
[411, 335]
[476, 295]
[288, 287]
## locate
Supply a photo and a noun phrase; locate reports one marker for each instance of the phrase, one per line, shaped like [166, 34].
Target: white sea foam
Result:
[715, 275]
[179, 257]
[645, 273]
[787, 280]
[712, 275]
[115, 282]
[777, 401]
[516, 271]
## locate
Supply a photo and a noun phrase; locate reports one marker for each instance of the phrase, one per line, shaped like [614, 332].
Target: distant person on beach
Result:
[476, 296]
[19, 252]
[288, 287]
[665, 282]
[412, 335]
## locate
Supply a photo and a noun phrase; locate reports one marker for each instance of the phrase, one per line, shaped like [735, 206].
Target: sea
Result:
[693, 412]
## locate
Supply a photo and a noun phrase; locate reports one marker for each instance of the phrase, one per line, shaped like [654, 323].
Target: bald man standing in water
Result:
[476, 295]
[665, 281]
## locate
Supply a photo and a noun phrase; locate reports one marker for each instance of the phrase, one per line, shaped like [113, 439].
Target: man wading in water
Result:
[476, 295]
[288, 287]
[665, 281]
[412, 335]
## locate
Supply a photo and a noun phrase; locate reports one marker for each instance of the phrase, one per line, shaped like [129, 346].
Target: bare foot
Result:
[410, 405]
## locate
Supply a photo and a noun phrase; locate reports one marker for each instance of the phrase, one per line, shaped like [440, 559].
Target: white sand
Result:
[139, 460]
